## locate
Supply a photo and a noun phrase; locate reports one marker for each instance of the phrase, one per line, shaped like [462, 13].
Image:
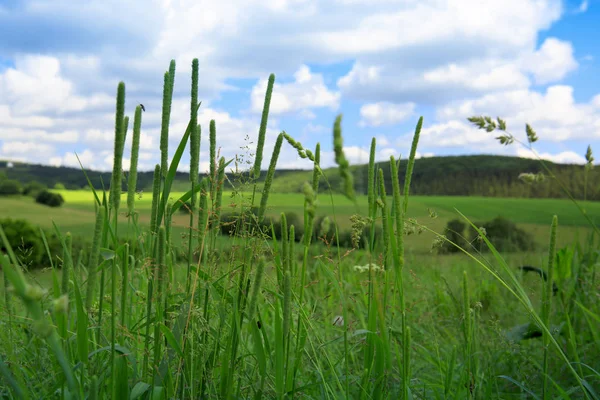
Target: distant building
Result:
[9, 165]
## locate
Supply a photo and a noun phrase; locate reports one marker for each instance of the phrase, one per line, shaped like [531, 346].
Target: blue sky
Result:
[380, 63]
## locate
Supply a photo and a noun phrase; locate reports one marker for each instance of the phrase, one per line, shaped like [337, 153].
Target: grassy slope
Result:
[535, 215]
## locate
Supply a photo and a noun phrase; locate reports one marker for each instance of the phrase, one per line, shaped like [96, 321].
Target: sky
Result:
[381, 64]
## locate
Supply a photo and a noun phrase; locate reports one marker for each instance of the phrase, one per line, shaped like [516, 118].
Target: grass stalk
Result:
[135, 150]
[263, 127]
[547, 307]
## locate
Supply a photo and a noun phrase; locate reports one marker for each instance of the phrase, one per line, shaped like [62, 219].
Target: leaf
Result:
[259, 349]
[181, 201]
[171, 339]
[138, 390]
[520, 385]
[107, 254]
[157, 393]
[47, 247]
[82, 324]
[564, 263]
[12, 382]
[124, 351]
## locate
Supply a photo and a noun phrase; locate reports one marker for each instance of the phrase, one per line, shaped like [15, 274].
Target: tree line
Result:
[473, 175]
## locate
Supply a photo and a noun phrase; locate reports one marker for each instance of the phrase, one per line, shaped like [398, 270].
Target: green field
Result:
[534, 215]
[363, 305]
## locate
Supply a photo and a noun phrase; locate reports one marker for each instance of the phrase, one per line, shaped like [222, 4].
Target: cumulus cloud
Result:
[36, 85]
[384, 113]
[307, 91]
[58, 90]
[24, 148]
[555, 114]
[565, 157]
[551, 62]
[458, 56]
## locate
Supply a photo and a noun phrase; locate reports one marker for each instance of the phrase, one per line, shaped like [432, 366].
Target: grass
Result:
[251, 317]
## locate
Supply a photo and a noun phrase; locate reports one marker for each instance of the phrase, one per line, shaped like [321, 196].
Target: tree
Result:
[59, 186]
[50, 199]
[10, 187]
[33, 188]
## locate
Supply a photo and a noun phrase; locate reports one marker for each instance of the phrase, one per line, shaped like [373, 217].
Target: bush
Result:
[50, 199]
[59, 186]
[504, 235]
[34, 188]
[25, 240]
[10, 187]
[455, 232]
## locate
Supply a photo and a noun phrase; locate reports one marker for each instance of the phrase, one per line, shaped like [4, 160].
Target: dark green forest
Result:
[476, 175]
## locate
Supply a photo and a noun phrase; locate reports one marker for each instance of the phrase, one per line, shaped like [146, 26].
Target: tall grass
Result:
[257, 315]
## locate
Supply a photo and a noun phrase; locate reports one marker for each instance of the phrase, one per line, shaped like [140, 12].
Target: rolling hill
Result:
[473, 175]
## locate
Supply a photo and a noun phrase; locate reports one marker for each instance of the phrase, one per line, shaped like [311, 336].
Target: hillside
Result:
[477, 175]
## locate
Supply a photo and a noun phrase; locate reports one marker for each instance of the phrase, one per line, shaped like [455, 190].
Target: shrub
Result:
[25, 240]
[504, 235]
[50, 199]
[34, 188]
[28, 246]
[59, 186]
[10, 187]
[455, 232]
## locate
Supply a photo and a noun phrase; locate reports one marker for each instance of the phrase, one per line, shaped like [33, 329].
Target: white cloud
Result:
[457, 56]
[25, 148]
[565, 157]
[36, 85]
[555, 115]
[307, 91]
[87, 158]
[384, 113]
[475, 56]
[515, 24]
[382, 140]
[551, 62]
[583, 7]
[456, 134]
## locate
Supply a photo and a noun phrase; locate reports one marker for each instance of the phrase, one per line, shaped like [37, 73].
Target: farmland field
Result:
[535, 215]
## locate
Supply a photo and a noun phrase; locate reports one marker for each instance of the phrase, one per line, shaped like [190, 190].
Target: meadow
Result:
[165, 306]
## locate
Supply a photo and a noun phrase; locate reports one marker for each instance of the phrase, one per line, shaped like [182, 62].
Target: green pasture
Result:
[534, 215]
